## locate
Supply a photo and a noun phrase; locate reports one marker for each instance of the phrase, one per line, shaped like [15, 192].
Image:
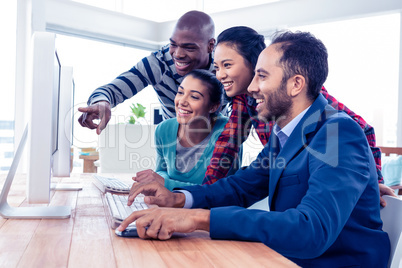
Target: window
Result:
[8, 18]
[95, 64]
[364, 68]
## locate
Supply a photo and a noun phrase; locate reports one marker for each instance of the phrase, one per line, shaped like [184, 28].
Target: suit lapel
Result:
[295, 143]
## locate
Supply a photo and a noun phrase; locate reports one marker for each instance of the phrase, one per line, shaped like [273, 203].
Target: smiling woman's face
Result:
[232, 70]
[192, 101]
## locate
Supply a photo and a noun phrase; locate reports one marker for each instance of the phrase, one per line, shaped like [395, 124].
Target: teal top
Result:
[166, 141]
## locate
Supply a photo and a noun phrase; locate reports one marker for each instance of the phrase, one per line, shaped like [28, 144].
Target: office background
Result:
[101, 39]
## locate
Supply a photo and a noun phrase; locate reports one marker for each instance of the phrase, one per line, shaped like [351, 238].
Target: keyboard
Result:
[118, 207]
[106, 184]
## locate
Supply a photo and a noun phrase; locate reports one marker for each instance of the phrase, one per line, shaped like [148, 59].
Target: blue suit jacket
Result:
[323, 196]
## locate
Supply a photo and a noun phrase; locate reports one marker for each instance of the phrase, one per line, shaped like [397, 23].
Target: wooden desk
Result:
[86, 239]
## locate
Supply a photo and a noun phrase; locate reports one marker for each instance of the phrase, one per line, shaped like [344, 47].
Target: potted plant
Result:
[138, 111]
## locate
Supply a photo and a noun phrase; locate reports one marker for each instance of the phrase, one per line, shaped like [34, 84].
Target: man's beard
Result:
[279, 104]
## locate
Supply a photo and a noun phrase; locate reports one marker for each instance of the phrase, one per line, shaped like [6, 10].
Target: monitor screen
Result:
[55, 102]
[62, 163]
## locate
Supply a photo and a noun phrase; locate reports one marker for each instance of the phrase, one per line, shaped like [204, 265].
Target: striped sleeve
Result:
[144, 73]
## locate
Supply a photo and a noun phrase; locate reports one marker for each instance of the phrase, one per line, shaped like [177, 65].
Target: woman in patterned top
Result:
[235, 58]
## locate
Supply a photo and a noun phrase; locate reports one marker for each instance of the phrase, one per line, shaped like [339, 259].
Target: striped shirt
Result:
[244, 115]
[158, 70]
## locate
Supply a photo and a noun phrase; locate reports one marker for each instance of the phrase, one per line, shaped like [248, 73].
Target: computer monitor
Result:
[43, 120]
[62, 153]
[48, 143]
[49, 132]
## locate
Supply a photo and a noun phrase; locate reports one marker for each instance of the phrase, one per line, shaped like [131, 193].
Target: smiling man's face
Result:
[268, 87]
[189, 50]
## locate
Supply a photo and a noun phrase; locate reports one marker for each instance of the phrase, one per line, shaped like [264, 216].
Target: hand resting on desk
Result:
[161, 223]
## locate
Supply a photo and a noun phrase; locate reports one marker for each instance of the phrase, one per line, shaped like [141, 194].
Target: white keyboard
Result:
[106, 184]
[118, 207]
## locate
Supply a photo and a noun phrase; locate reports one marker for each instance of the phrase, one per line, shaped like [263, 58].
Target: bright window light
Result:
[8, 19]
[364, 68]
[96, 64]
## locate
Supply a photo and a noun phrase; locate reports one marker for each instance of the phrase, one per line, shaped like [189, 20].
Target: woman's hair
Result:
[246, 41]
[215, 88]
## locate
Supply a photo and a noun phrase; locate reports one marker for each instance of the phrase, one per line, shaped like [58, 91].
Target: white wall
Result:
[75, 18]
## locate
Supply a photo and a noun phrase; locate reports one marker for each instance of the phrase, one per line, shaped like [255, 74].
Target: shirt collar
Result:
[284, 133]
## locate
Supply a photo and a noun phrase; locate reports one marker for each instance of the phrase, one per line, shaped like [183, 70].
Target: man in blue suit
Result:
[317, 170]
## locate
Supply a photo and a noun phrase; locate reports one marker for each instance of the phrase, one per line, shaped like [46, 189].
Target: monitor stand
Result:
[66, 186]
[9, 212]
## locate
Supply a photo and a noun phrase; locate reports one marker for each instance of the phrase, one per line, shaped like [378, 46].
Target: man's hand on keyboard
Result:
[156, 194]
[148, 176]
[161, 223]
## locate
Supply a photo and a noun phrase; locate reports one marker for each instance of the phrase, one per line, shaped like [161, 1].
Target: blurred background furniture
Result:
[89, 155]
[126, 148]
[392, 167]
[89, 166]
